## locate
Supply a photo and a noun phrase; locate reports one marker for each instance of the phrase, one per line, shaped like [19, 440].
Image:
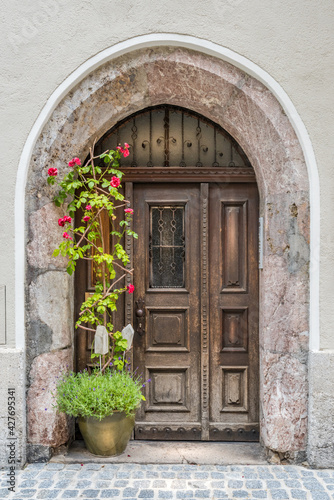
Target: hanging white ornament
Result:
[101, 340]
[127, 334]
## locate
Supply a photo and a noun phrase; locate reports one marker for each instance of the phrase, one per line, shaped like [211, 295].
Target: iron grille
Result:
[170, 136]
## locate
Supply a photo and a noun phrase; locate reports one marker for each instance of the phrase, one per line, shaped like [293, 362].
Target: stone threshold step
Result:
[171, 452]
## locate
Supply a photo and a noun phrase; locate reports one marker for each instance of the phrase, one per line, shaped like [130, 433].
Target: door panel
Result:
[233, 225]
[166, 278]
[233, 312]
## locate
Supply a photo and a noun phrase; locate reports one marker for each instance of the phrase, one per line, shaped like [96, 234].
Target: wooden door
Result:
[196, 281]
[196, 276]
[167, 280]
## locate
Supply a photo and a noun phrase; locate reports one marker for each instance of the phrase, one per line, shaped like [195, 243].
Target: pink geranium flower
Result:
[62, 222]
[115, 182]
[74, 161]
[67, 236]
[53, 172]
[128, 210]
[86, 218]
[130, 288]
[88, 207]
[125, 151]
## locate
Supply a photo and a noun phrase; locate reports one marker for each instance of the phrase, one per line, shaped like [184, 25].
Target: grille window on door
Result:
[166, 247]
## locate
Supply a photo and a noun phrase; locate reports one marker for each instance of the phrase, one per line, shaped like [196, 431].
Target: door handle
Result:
[141, 316]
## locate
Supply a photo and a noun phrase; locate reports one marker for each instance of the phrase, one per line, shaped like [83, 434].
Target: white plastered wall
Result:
[44, 42]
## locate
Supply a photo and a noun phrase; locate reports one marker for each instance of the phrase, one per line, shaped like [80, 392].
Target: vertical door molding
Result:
[204, 311]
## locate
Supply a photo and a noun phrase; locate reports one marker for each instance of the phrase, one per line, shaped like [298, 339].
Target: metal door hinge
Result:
[260, 242]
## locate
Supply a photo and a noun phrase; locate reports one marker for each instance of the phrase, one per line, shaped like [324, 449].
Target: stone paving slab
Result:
[167, 481]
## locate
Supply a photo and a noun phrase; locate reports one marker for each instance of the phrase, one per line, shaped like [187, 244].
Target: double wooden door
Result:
[196, 310]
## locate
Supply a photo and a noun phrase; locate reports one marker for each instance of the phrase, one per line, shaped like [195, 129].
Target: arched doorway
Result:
[195, 203]
[251, 113]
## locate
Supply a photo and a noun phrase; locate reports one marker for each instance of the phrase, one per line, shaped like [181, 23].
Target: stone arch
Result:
[250, 112]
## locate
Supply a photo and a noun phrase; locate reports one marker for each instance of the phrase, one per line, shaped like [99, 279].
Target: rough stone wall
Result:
[47, 429]
[284, 323]
[49, 298]
[250, 113]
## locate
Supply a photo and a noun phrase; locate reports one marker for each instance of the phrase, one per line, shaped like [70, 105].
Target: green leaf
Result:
[56, 252]
[91, 184]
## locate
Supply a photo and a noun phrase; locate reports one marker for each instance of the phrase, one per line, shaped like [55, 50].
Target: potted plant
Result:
[104, 404]
[105, 397]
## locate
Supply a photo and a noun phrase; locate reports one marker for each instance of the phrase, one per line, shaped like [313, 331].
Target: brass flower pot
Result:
[108, 436]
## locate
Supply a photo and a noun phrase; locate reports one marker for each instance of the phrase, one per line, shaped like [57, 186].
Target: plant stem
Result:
[103, 247]
[106, 295]
[85, 328]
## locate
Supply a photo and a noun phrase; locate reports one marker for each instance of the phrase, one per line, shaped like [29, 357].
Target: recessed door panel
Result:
[234, 385]
[168, 389]
[235, 330]
[234, 218]
[167, 329]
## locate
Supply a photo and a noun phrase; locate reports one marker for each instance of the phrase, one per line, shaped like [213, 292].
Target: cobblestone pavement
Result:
[190, 482]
